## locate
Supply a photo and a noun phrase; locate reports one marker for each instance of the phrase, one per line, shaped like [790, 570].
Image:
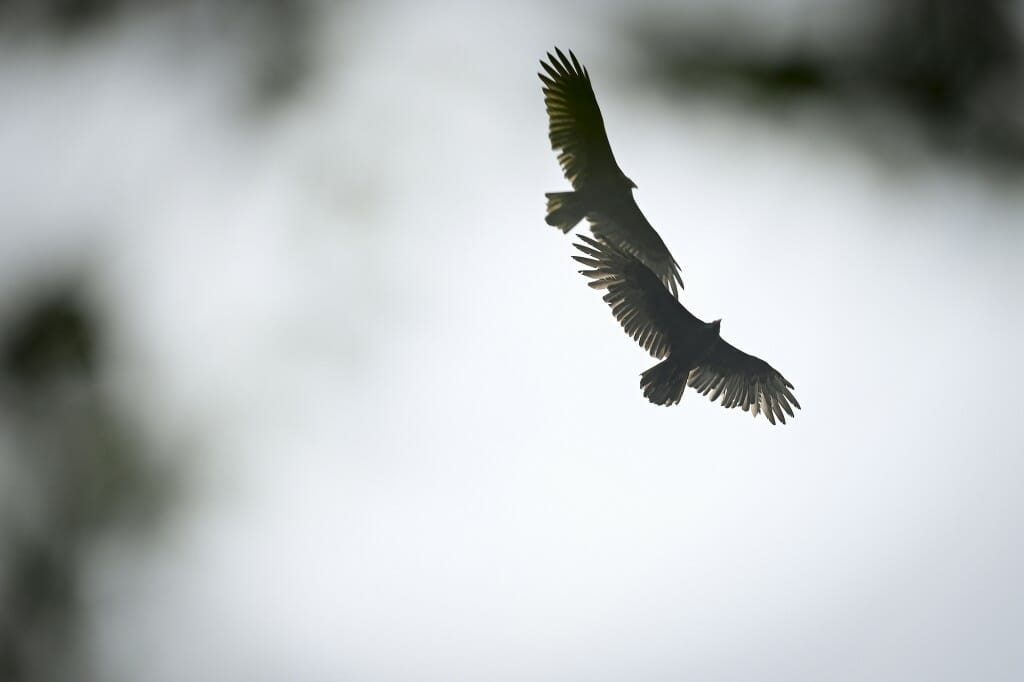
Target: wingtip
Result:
[576, 62]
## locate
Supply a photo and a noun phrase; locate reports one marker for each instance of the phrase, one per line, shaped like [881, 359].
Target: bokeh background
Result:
[296, 384]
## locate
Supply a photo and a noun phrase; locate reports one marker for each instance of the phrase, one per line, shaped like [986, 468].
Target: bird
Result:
[601, 192]
[692, 351]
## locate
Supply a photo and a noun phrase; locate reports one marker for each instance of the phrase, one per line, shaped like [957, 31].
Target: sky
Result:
[415, 443]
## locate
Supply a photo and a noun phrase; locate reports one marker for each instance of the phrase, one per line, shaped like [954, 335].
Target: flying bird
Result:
[693, 350]
[601, 191]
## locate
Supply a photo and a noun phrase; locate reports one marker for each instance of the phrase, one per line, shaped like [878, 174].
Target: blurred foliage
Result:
[942, 55]
[77, 473]
[953, 68]
[52, 338]
[273, 35]
[63, 15]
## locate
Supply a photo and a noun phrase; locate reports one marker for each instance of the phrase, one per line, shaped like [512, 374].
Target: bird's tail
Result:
[664, 383]
[565, 209]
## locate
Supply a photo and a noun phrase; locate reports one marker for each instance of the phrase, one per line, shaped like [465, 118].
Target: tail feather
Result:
[664, 383]
[565, 210]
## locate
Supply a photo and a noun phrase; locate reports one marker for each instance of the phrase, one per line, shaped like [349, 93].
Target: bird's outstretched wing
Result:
[635, 235]
[638, 299]
[575, 124]
[744, 381]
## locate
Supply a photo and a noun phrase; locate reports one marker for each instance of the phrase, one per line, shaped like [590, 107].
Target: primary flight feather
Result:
[601, 191]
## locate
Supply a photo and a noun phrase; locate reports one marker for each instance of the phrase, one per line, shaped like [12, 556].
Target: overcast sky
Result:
[417, 445]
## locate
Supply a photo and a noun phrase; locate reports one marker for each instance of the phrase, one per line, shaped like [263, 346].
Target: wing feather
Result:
[742, 380]
[576, 127]
[631, 232]
[647, 311]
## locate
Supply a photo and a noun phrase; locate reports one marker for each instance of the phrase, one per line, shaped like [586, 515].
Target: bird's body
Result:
[602, 193]
[692, 351]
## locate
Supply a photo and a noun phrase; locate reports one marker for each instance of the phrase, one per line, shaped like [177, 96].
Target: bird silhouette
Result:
[601, 191]
[692, 351]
